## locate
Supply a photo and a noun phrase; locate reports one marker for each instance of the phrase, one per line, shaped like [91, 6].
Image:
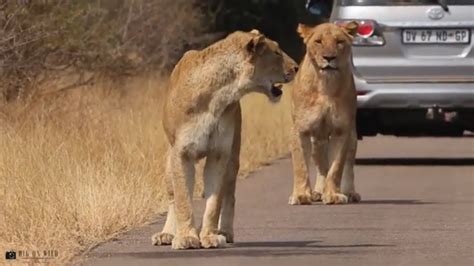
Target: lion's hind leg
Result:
[226, 221]
[165, 237]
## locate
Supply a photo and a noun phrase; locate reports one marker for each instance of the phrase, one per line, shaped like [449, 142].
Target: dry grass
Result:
[265, 131]
[81, 170]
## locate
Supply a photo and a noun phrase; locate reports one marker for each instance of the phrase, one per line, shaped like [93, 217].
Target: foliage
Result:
[108, 37]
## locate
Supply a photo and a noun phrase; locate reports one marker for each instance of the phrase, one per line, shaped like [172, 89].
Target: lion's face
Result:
[270, 66]
[328, 45]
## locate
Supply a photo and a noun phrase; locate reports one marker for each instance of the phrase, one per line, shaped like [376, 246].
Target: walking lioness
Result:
[202, 118]
[324, 110]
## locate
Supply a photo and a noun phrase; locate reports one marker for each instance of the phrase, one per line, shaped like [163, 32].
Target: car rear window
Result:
[401, 2]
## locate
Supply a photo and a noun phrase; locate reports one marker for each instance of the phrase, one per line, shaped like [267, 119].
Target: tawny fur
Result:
[202, 118]
[324, 111]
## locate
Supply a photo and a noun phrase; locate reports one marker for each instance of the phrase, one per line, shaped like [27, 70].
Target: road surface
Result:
[417, 209]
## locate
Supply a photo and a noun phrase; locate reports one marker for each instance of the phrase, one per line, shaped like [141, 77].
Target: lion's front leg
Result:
[182, 176]
[226, 220]
[347, 184]
[214, 172]
[338, 146]
[300, 155]
[320, 157]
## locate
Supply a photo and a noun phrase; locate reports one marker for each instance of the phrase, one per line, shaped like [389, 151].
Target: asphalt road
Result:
[417, 209]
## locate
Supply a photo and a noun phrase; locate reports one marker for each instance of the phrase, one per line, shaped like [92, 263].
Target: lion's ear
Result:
[256, 45]
[255, 31]
[351, 28]
[305, 32]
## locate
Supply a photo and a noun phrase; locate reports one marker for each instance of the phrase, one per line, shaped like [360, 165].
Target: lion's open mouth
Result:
[276, 90]
[329, 67]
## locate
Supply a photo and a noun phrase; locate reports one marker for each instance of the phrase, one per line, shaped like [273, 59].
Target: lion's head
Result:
[328, 45]
[270, 66]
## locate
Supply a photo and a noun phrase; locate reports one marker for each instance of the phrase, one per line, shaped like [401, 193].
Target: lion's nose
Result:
[329, 58]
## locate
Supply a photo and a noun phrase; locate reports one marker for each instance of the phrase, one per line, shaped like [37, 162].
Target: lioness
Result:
[202, 118]
[324, 110]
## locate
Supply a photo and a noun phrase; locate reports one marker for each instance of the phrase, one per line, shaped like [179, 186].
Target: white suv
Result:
[413, 65]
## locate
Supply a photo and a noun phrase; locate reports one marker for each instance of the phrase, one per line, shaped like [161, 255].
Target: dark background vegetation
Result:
[42, 40]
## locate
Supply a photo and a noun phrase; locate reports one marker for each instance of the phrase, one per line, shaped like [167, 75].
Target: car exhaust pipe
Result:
[437, 113]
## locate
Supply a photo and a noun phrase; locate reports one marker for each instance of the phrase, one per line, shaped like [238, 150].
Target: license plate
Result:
[436, 36]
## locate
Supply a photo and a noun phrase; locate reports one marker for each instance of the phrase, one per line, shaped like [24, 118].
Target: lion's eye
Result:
[340, 44]
[278, 53]
[318, 41]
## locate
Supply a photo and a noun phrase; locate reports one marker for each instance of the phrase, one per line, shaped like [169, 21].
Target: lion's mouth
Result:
[276, 90]
[328, 67]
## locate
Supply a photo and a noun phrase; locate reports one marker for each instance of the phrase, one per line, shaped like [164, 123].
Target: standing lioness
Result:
[324, 111]
[202, 118]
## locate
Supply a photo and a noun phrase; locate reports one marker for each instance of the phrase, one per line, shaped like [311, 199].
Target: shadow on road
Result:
[415, 161]
[395, 202]
[299, 244]
[259, 249]
[276, 244]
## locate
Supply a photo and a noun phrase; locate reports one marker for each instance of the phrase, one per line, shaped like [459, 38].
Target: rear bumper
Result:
[414, 95]
[414, 122]
[403, 109]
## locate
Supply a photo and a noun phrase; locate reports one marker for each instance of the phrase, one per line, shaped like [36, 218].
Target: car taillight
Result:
[362, 93]
[366, 28]
[367, 33]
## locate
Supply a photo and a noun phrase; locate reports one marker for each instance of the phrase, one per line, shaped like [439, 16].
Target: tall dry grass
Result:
[79, 171]
[265, 131]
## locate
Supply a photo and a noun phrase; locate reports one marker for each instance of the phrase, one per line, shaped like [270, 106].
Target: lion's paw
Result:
[229, 236]
[213, 241]
[160, 239]
[302, 199]
[185, 242]
[316, 196]
[334, 198]
[353, 197]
